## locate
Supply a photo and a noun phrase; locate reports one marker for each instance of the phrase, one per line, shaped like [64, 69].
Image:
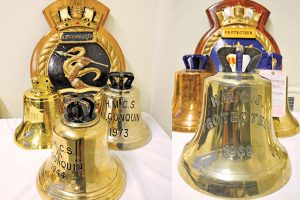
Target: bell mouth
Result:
[249, 186]
[113, 190]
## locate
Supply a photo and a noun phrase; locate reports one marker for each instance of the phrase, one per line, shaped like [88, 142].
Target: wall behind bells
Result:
[135, 25]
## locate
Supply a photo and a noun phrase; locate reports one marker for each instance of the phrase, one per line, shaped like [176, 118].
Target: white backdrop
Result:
[153, 34]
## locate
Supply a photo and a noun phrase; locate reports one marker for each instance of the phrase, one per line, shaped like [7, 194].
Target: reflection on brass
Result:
[40, 110]
[235, 153]
[120, 106]
[188, 90]
[80, 166]
[288, 125]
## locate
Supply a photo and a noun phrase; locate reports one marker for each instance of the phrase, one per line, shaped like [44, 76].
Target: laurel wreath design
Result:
[265, 41]
[211, 42]
[49, 46]
[45, 53]
[113, 57]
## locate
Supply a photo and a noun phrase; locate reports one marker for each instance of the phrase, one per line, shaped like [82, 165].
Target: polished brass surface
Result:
[187, 99]
[80, 166]
[121, 108]
[288, 125]
[40, 110]
[235, 153]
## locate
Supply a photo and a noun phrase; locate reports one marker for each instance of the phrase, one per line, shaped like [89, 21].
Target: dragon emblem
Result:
[74, 66]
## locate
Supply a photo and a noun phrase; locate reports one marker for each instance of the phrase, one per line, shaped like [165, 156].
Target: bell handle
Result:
[278, 59]
[80, 110]
[195, 61]
[130, 78]
[121, 76]
[267, 61]
[255, 57]
[91, 106]
[222, 55]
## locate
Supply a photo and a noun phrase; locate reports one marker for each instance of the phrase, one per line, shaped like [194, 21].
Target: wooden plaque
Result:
[233, 23]
[77, 52]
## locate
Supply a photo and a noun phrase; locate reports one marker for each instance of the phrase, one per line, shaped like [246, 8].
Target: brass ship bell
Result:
[120, 106]
[80, 166]
[41, 108]
[287, 125]
[235, 153]
[188, 91]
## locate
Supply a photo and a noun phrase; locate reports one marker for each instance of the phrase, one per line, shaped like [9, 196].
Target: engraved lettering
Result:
[254, 116]
[215, 101]
[224, 117]
[245, 117]
[216, 120]
[234, 117]
[77, 36]
[244, 98]
[209, 123]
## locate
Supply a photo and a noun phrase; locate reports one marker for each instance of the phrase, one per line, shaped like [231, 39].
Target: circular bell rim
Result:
[282, 180]
[132, 144]
[119, 183]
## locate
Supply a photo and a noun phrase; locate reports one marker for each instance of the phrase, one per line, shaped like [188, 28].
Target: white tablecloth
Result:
[290, 191]
[147, 169]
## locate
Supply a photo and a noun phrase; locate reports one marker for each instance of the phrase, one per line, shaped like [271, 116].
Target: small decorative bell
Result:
[120, 106]
[188, 93]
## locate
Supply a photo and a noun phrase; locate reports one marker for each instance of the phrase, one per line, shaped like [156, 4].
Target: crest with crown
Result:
[238, 15]
[76, 13]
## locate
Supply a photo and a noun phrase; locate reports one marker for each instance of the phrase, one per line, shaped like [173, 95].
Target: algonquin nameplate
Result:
[77, 36]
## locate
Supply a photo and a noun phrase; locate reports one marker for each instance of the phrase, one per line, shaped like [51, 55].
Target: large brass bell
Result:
[120, 106]
[188, 90]
[235, 153]
[80, 166]
[41, 108]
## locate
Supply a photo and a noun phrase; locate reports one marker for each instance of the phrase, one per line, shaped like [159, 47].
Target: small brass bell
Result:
[235, 153]
[80, 166]
[40, 110]
[287, 125]
[120, 106]
[188, 90]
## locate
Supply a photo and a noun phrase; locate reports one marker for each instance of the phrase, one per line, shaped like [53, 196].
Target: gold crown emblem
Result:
[76, 16]
[238, 15]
